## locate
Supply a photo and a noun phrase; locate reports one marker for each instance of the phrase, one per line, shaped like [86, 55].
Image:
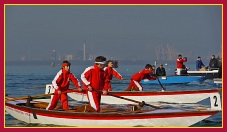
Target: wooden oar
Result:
[44, 86]
[141, 104]
[26, 97]
[163, 88]
[40, 95]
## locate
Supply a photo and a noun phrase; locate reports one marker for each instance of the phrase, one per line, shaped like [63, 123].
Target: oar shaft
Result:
[135, 101]
[119, 97]
[152, 106]
[160, 83]
[124, 98]
[42, 95]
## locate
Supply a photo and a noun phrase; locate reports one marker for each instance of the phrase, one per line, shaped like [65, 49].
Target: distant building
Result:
[69, 57]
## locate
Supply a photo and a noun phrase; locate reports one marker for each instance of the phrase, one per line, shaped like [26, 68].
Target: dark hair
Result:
[100, 59]
[65, 61]
[179, 55]
[109, 61]
[148, 66]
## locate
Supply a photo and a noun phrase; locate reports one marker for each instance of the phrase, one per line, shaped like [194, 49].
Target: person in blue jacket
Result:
[199, 64]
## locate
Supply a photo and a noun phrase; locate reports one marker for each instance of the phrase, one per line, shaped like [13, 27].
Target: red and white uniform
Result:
[137, 77]
[180, 65]
[95, 77]
[110, 72]
[61, 82]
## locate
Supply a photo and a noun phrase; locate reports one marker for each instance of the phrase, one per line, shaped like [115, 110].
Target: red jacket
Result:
[109, 71]
[143, 74]
[61, 80]
[95, 77]
[180, 62]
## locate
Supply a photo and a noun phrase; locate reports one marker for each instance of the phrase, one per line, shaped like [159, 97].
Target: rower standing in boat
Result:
[137, 77]
[180, 62]
[95, 82]
[199, 65]
[61, 85]
[160, 71]
[110, 72]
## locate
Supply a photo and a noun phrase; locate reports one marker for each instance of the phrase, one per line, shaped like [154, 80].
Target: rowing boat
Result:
[110, 115]
[189, 96]
[175, 80]
[186, 96]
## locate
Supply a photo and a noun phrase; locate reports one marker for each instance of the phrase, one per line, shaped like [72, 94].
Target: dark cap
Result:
[199, 57]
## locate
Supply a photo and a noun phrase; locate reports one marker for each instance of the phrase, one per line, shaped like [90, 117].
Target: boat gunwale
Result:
[148, 93]
[110, 115]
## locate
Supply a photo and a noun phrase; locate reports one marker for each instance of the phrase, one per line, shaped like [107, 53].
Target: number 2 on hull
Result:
[215, 101]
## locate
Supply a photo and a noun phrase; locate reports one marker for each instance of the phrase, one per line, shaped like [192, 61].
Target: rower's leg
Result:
[28, 102]
[129, 89]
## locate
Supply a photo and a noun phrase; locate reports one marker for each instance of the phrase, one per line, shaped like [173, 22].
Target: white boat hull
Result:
[207, 74]
[171, 97]
[168, 119]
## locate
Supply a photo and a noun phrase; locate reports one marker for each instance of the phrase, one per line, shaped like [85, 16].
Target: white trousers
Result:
[179, 71]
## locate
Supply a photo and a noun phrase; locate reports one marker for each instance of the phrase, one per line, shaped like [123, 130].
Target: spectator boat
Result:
[207, 74]
[174, 79]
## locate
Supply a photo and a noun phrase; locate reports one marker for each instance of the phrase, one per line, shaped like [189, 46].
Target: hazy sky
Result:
[121, 32]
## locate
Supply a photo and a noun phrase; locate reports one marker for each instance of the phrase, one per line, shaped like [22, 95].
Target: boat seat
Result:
[43, 105]
[84, 108]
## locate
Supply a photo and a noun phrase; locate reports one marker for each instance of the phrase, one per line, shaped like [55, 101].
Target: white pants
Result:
[179, 71]
[138, 85]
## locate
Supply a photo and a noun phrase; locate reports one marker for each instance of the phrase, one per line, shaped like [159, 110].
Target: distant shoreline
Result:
[91, 62]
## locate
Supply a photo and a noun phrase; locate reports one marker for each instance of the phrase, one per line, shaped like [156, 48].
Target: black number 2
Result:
[215, 102]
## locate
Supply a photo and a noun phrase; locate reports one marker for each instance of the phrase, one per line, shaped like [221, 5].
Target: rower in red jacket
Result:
[61, 85]
[110, 72]
[94, 80]
[180, 64]
[137, 77]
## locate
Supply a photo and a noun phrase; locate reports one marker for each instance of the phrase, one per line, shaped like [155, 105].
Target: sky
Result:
[117, 32]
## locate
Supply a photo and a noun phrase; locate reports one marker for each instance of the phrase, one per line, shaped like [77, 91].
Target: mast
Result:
[84, 56]
[53, 58]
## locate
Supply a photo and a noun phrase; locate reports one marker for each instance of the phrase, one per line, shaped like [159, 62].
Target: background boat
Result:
[175, 80]
[207, 74]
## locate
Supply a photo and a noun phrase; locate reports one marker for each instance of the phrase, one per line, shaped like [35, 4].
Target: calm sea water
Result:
[24, 80]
